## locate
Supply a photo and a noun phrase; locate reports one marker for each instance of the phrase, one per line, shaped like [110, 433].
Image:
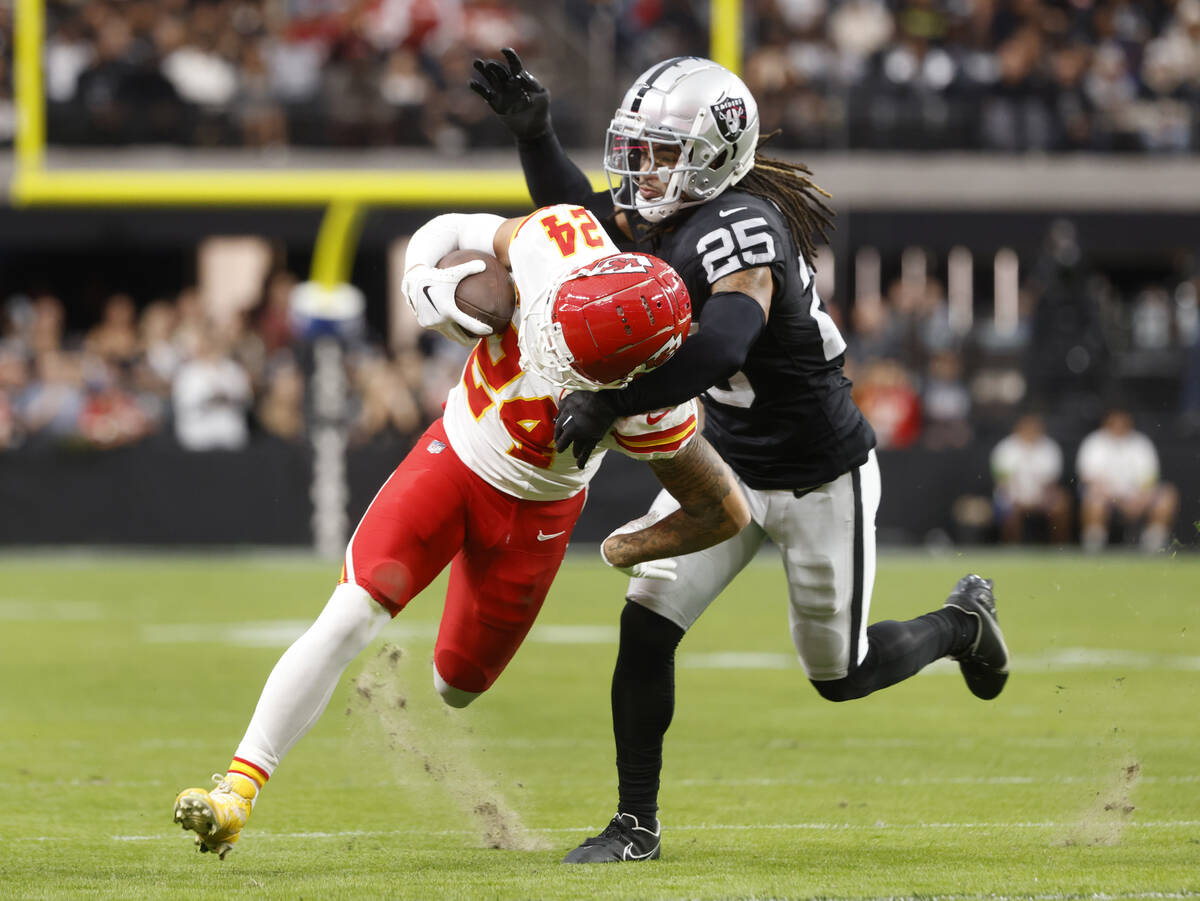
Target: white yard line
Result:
[22, 610]
[173, 835]
[926, 780]
[1059, 660]
[748, 782]
[281, 633]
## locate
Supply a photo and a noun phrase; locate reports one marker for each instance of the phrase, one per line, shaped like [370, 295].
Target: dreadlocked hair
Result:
[790, 187]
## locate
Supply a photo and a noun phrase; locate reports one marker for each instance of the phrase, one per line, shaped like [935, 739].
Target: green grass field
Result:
[127, 678]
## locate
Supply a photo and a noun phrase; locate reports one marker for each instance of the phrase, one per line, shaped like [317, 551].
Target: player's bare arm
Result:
[504, 236]
[711, 509]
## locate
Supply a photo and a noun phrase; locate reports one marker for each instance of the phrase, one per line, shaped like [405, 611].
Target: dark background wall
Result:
[151, 495]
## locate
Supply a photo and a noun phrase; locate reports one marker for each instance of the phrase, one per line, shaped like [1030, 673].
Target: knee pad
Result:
[461, 671]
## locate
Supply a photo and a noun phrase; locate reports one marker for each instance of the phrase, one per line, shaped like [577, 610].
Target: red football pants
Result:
[503, 551]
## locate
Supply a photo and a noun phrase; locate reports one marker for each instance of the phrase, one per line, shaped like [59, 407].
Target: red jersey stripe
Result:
[659, 437]
[668, 439]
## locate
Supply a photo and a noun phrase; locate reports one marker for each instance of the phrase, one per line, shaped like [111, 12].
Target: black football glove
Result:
[584, 417]
[514, 95]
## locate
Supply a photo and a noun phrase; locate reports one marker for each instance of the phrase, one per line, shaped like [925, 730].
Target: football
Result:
[487, 295]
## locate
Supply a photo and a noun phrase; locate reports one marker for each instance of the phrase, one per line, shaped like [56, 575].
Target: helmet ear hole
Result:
[719, 160]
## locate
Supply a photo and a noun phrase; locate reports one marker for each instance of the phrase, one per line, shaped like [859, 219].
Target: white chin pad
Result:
[657, 212]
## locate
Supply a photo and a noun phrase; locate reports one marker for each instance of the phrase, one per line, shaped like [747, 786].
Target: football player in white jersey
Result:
[484, 491]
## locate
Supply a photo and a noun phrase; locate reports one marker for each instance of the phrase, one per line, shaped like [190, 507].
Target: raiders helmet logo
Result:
[730, 116]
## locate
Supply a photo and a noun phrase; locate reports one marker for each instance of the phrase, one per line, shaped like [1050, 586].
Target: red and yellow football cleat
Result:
[217, 816]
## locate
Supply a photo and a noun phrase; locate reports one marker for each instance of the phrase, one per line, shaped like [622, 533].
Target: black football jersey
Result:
[786, 420]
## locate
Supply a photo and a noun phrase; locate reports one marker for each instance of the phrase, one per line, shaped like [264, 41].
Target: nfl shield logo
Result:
[730, 115]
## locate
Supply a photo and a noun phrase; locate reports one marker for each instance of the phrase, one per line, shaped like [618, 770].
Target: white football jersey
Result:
[1123, 465]
[1025, 468]
[500, 418]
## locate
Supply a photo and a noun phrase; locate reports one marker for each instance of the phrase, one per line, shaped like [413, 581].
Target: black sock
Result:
[643, 702]
[964, 626]
[897, 650]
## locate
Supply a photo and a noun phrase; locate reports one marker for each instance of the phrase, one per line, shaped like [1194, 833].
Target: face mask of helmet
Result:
[648, 167]
[689, 109]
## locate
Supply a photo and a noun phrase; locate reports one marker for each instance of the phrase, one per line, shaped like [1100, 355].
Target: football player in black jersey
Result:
[688, 183]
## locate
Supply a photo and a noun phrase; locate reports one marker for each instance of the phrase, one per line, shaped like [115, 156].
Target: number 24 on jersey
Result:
[580, 227]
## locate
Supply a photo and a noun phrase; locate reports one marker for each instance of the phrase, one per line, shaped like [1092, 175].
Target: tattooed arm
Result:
[711, 509]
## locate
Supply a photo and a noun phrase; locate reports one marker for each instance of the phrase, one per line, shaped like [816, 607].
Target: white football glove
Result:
[430, 293]
[663, 569]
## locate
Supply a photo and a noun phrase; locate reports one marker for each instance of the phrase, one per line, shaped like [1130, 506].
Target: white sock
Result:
[303, 680]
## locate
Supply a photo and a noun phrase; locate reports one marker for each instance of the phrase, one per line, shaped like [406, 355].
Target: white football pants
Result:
[827, 540]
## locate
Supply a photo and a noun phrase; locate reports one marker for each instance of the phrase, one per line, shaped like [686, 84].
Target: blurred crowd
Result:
[1087, 356]
[1005, 75]
[170, 372]
[1080, 337]
[269, 73]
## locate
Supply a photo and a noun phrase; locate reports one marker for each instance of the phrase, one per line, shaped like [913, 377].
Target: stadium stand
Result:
[1097, 75]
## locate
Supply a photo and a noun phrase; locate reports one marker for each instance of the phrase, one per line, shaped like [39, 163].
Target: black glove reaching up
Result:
[584, 417]
[514, 95]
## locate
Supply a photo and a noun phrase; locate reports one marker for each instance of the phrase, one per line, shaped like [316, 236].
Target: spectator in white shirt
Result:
[211, 397]
[1118, 473]
[1026, 468]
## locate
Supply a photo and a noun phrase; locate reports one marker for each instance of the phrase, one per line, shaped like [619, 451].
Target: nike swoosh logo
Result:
[630, 855]
[736, 209]
[652, 418]
[542, 536]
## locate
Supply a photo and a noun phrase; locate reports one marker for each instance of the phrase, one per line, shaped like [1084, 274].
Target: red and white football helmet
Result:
[607, 322]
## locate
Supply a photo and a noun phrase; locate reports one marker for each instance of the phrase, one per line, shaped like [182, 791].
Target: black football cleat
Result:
[984, 664]
[622, 839]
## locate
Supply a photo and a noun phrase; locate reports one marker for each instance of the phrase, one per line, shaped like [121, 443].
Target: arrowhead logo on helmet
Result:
[607, 322]
[665, 352]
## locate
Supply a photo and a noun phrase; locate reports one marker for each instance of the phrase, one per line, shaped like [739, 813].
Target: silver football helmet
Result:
[691, 122]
